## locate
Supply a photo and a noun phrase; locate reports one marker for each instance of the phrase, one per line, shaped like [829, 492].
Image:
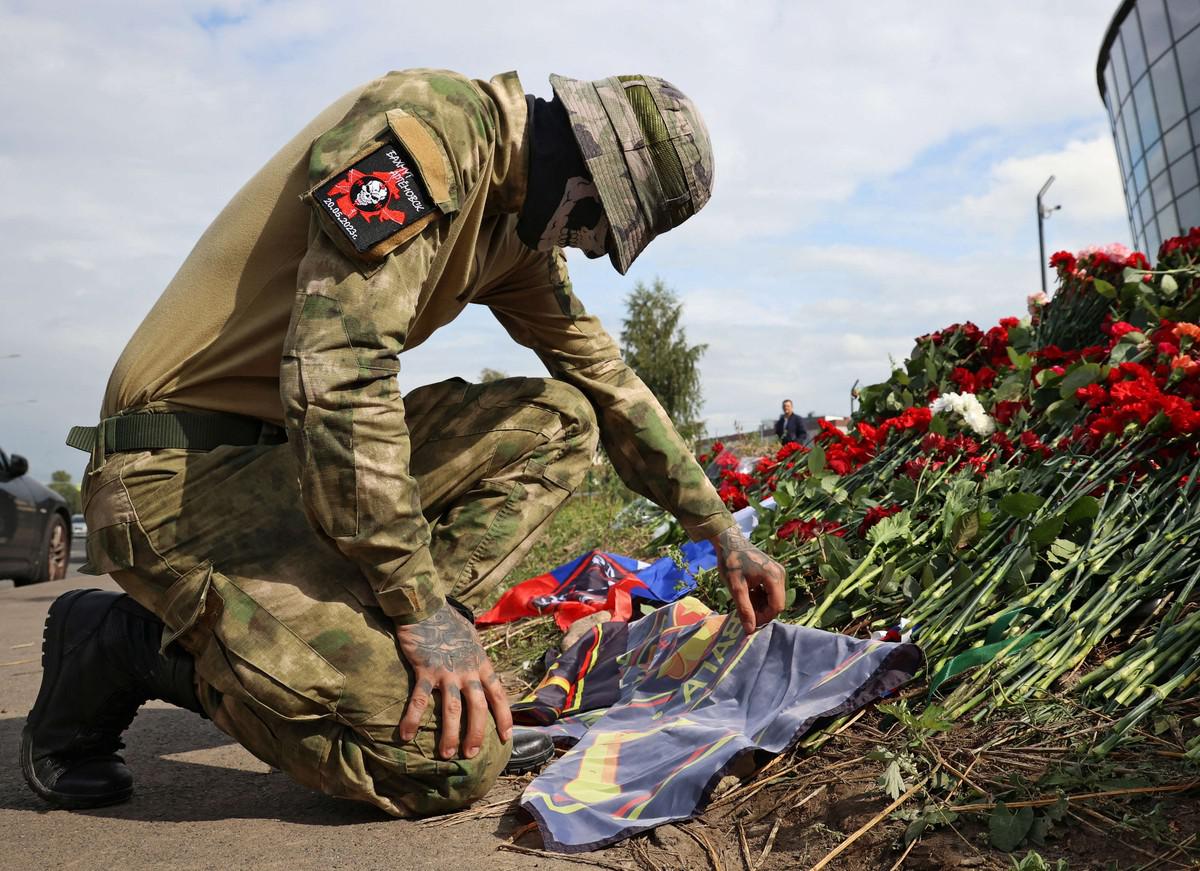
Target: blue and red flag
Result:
[600, 581]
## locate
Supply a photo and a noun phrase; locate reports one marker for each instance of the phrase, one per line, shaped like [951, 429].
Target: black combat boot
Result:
[530, 751]
[100, 663]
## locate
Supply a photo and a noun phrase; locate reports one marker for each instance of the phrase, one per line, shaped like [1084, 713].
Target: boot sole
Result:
[52, 642]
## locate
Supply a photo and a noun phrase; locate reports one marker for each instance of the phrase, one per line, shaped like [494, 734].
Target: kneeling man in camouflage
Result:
[300, 547]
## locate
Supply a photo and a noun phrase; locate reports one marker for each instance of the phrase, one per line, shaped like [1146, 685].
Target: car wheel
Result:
[57, 553]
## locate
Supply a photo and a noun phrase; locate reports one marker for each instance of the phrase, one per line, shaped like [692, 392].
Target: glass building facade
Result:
[1149, 77]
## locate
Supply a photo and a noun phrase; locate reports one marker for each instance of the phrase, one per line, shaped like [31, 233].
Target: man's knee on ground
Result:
[418, 783]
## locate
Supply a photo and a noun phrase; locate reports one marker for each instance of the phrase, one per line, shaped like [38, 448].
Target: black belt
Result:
[191, 431]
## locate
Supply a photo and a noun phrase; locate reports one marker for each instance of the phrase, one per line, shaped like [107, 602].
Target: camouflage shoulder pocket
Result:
[388, 192]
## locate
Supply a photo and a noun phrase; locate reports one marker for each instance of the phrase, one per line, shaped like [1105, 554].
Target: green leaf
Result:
[915, 829]
[1105, 289]
[1046, 531]
[785, 493]
[1001, 479]
[966, 530]
[939, 426]
[816, 461]
[1048, 378]
[910, 587]
[1083, 508]
[829, 573]
[1130, 275]
[835, 616]
[934, 719]
[1081, 375]
[789, 598]
[1123, 351]
[904, 489]
[892, 781]
[1168, 286]
[1063, 411]
[1021, 362]
[1016, 581]
[1021, 505]
[1058, 810]
[1020, 338]
[1007, 829]
[1063, 549]
[898, 525]
[1010, 389]
[1038, 831]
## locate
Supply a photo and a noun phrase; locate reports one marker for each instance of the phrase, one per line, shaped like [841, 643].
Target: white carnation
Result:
[968, 409]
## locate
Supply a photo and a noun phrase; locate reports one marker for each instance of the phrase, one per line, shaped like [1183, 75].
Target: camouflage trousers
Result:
[293, 658]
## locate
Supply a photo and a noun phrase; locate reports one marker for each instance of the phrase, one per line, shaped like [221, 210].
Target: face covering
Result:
[562, 206]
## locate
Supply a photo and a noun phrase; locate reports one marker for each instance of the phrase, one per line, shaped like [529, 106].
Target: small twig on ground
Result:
[1044, 802]
[521, 830]
[1169, 856]
[511, 634]
[770, 842]
[700, 838]
[904, 855]
[744, 846]
[562, 857]
[480, 812]
[1112, 825]
[642, 854]
[866, 827]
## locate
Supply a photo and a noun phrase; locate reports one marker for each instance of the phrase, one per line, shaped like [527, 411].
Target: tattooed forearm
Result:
[755, 580]
[735, 553]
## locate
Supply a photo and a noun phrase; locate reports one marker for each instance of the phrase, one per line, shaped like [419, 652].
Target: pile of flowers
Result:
[1048, 467]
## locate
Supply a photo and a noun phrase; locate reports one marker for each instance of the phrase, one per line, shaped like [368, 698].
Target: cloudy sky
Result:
[876, 169]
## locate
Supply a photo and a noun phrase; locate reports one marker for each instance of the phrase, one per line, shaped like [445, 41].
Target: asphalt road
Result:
[201, 801]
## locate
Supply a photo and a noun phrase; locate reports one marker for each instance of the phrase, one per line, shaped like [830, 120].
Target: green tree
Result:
[655, 345]
[486, 375]
[60, 483]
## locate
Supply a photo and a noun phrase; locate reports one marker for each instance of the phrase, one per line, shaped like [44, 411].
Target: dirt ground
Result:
[203, 802]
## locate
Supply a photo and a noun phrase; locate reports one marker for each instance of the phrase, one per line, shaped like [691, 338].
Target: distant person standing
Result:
[789, 427]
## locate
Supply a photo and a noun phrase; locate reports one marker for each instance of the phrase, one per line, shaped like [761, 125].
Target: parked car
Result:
[35, 526]
[78, 526]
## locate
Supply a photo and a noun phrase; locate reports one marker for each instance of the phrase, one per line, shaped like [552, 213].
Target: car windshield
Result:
[77, 518]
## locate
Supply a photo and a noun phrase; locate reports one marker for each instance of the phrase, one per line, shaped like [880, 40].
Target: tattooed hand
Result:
[755, 580]
[445, 656]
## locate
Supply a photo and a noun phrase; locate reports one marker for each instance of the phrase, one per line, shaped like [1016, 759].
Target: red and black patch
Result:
[377, 197]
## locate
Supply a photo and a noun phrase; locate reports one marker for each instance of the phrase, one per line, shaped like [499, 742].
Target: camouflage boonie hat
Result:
[647, 149]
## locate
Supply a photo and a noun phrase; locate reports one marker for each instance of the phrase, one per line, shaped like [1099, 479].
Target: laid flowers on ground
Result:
[1038, 477]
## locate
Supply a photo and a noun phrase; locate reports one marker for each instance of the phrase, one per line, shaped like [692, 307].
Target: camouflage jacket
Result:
[363, 294]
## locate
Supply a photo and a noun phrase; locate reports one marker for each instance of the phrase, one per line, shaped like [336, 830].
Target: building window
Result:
[1155, 32]
[1131, 38]
[1178, 142]
[1188, 50]
[1183, 173]
[1166, 90]
[1184, 15]
[1189, 208]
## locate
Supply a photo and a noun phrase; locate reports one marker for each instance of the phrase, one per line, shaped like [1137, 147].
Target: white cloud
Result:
[1087, 183]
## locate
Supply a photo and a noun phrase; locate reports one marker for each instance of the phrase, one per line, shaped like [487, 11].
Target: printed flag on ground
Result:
[681, 693]
[599, 581]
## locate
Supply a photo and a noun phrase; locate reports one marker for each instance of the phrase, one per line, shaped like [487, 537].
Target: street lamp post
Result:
[1042, 214]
